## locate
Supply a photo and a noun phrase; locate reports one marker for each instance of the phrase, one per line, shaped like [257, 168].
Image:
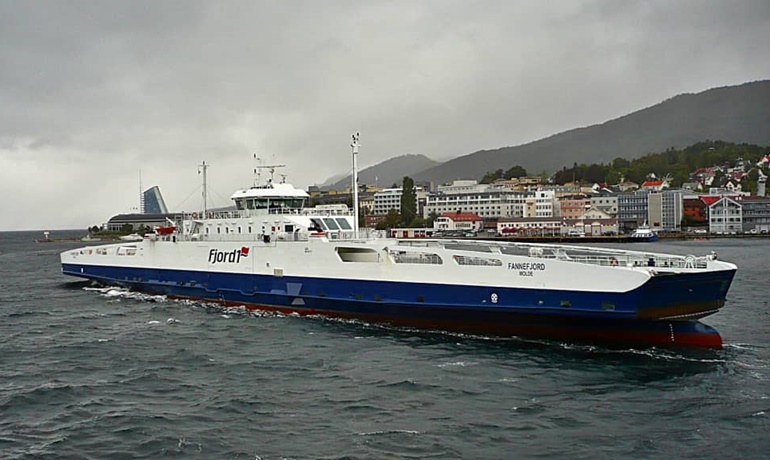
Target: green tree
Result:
[613, 177]
[393, 219]
[431, 218]
[492, 176]
[417, 222]
[620, 163]
[515, 171]
[408, 201]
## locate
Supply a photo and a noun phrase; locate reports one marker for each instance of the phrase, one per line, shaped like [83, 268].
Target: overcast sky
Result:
[92, 92]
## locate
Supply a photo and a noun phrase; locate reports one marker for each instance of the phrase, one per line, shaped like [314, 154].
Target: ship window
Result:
[317, 223]
[344, 223]
[358, 255]
[288, 228]
[249, 228]
[331, 224]
[608, 306]
[239, 229]
[239, 204]
[565, 303]
[227, 229]
[207, 230]
[126, 251]
[219, 230]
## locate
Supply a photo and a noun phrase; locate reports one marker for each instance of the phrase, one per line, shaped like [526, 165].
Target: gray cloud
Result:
[91, 92]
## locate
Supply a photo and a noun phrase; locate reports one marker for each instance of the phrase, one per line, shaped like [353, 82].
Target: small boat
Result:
[131, 237]
[644, 233]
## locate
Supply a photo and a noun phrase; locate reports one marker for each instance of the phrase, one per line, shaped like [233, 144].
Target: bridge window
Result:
[344, 223]
[331, 224]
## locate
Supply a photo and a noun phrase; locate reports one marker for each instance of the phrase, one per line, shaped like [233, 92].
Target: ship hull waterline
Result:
[626, 331]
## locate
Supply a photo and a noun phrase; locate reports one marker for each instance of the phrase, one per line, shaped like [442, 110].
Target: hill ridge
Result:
[739, 113]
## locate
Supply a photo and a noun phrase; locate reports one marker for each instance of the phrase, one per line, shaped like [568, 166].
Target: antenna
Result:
[354, 144]
[271, 169]
[202, 169]
[256, 170]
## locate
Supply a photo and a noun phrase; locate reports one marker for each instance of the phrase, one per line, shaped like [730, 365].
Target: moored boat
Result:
[131, 237]
[273, 253]
[644, 233]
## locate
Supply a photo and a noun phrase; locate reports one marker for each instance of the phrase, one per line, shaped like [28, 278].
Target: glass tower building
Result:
[152, 202]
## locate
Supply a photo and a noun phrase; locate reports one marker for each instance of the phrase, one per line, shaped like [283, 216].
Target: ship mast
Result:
[202, 169]
[355, 145]
[270, 168]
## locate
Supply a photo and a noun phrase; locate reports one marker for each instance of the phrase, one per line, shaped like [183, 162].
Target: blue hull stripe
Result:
[420, 300]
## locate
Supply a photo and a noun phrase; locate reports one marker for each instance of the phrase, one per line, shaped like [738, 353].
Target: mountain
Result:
[386, 173]
[738, 114]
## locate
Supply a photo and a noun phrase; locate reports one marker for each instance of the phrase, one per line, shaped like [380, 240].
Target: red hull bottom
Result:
[617, 333]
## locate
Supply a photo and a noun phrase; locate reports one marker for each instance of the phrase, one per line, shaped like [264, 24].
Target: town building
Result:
[664, 210]
[139, 222]
[152, 201]
[530, 226]
[489, 203]
[632, 210]
[755, 214]
[390, 198]
[539, 203]
[573, 206]
[607, 202]
[464, 221]
[695, 210]
[725, 216]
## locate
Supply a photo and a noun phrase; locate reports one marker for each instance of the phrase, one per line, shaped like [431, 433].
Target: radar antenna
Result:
[270, 168]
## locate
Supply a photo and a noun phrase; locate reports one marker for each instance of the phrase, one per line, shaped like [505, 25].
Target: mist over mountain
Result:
[733, 113]
[386, 173]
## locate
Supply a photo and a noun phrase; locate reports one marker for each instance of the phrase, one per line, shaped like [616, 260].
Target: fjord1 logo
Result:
[232, 257]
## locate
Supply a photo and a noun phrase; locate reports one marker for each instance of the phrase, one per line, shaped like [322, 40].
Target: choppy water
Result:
[101, 373]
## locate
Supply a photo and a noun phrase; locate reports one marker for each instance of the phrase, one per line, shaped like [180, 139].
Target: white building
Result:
[539, 203]
[390, 198]
[466, 221]
[489, 201]
[605, 202]
[725, 216]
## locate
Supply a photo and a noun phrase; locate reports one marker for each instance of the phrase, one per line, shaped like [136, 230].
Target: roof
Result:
[503, 220]
[652, 183]
[462, 216]
[752, 198]
[271, 191]
[710, 199]
[725, 199]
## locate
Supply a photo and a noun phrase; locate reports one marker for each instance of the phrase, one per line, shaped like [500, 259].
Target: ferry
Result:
[273, 253]
[644, 233]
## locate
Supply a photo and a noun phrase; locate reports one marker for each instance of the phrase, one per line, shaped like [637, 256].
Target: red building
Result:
[696, 210]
